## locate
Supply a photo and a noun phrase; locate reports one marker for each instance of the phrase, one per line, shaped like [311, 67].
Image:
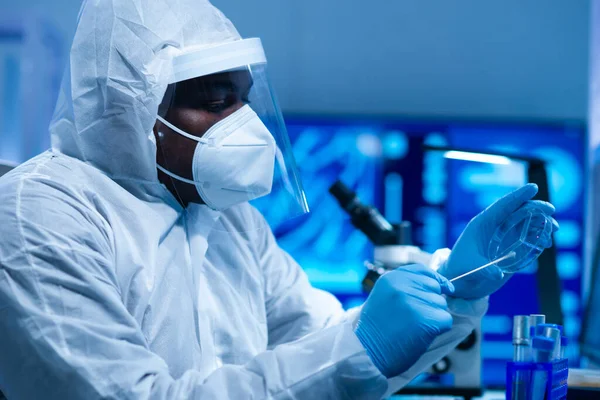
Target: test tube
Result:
[543, 348]
[535, 320]
[554, 334]
[564, 342]
[521, 338]
[539, 329]
[520, 354]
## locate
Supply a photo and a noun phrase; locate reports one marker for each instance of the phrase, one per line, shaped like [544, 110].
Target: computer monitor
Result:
[590, 337]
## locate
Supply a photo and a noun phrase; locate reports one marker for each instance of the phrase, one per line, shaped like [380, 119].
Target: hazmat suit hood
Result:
[120, 63]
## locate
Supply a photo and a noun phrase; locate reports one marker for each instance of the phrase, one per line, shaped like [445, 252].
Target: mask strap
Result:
[182, 133]
[175, 176]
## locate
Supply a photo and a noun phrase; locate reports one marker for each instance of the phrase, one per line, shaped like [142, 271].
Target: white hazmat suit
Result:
[110, 289]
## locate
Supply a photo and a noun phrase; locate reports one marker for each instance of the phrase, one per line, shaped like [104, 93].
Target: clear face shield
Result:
[220, 135]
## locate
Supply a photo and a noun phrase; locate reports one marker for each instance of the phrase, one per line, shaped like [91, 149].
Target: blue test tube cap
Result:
[559, 327]
[542, 343]
[539, 329]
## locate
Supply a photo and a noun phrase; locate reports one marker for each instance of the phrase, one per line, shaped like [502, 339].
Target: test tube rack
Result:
[521, 375]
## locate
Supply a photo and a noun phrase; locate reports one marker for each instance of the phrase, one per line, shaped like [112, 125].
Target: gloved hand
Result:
[471, 249]
[404, 313]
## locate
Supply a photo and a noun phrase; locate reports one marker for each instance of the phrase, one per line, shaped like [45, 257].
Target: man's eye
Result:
[217, 106]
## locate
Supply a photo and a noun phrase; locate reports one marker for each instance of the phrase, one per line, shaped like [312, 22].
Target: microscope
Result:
[393, 243]
[458, 373]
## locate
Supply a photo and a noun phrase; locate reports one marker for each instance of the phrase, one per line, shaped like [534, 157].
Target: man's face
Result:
[194, 106]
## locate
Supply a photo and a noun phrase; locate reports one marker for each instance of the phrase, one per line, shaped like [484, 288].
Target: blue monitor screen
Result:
[384, 162]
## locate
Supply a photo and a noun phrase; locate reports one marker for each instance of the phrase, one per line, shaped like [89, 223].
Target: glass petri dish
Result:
[527, 232]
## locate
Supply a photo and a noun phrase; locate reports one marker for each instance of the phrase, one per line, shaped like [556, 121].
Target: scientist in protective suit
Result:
[133, 267]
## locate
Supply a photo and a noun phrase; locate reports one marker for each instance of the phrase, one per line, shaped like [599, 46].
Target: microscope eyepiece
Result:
[365, 218]
[343, 194]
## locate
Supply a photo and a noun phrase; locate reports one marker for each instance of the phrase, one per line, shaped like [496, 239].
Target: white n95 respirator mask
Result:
[233, 161]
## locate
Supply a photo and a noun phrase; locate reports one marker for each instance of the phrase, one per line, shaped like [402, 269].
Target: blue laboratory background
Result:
[383, 160]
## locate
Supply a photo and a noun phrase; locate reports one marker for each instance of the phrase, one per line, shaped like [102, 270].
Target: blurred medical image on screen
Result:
[384, 162]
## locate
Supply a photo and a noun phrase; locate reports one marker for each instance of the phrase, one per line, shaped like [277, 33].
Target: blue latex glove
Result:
[471, 248]
[404, 313]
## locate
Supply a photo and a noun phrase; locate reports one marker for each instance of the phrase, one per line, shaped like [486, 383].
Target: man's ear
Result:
[156, 130]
